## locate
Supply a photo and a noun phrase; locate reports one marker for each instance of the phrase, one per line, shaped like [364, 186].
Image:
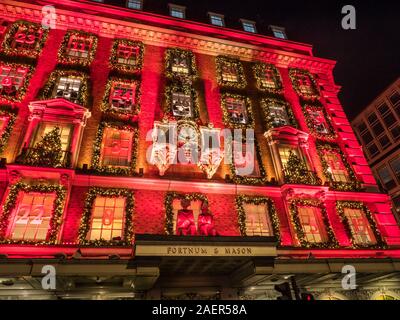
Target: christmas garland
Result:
[341, 205]
[96, 165]
[354, 184]
[126, 68]
[56, 218]
[184, 54]
[259, 70]
[296, 172]
[106, 106]
[20, 94]
[269, 119]
[64, 58]
[256, 200]
[294, 214]
[261, 180]
[12, 115]
[169, 214]
[249, 111]
[185, 89]
[87, 214]
[10, 36]
[48, 90]
[235, 63]
[294, 73]
[306, 106]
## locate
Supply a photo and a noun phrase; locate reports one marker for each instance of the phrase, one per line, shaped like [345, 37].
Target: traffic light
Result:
[307, 296]
[284, 289]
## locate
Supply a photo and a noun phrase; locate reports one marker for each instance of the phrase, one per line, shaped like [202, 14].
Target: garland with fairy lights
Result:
[270, 119]
[241, 82]
[187, 55]
[123, 67]
[186, 89]
[20, 93]
[341, 205]
[64, 58]
[9, 38]
[331, 242]
[56, 218]
[353, 184]
[249, 180]
[259, 70]
[294, 75]
[296, 172]
[249, 111]
[48, 92]
[241, 200]
[106, 105]
[88, 211]
[11, 114]
[110, 170]
[317, 106]
[169, 214]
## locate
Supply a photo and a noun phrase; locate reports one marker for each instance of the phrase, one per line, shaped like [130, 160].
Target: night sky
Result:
[367, 58]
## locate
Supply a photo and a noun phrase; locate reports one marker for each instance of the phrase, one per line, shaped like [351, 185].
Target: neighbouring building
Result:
[378, 129]
[88, 189]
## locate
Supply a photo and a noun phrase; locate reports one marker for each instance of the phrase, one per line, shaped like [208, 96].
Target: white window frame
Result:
[281, 30]
[248, 22]
[217, 16]
[140, 2]
[179, 8]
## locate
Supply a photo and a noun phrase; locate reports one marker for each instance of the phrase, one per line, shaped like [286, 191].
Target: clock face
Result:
[187, 135]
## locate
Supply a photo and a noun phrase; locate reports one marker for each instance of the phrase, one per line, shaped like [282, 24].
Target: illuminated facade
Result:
[85, 187]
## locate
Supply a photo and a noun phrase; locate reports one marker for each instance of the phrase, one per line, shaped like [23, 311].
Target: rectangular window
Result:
[395, 165]
[180, 64]
[127, 55]
[134, 4]
[46, 127]
[377, 128]
[177, 11]
[278, 32]
[279, 115]
[217, 20]
[68, 88]
[386, 178]
[373, 150]
[229, 72]
[236, 108]
[182, 105]
[305, 84]
[107, 221]
[318, 121]
[32, 215]
[79, 46]
[395, 98]
[116, 147]
[284, 152]
[192, 215]
[312, 224]
[383, 109]
[123, 96]
[362, 127]
[367, 137]
[359, 226]
[389, 119]
[336, 167]
[257, 220]
[372, 118]
[395, 132]
[27, 37]
[249, 26]
[384, 141]
[11, 79]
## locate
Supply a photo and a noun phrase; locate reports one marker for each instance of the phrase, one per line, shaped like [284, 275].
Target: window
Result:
[134, 4]
[373, 150]
[317, 121]
[123, 96]
[127, 54]
[389, 119]
[278, 32]
[249, 26]
[269, 79]
[27, 37]
[68, 88]
[236, 109]
[395, 165]
[284, 153]
[195, 208]
[107, 219]
[312, 224]
[245, 160]
[367, 137]
[395, 132]
[336, 167]
[217, 19]
[278, 114]
[386, 178]
[395, 98]
[116, 147]
[362, 127]
[257, 220]
[372, 118]
[384, 141]
[305, 84]
[46, 127]
[12, 78]
[177, 11]
[32, 215]
[180, 64]
[359, 226]
[396, 202]
[383, 109]
[182, 105]
[79, 46]
[229, 72]
[377, 128]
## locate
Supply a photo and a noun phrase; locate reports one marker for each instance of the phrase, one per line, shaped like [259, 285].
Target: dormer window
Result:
[278, 32]
[249, 26]
[216, 19]
[134, 4]
[177, 11]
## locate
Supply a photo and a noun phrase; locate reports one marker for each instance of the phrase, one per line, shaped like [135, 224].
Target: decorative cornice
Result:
[164, 37]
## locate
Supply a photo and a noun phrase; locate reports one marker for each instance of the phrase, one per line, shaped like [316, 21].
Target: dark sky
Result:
[367, 58]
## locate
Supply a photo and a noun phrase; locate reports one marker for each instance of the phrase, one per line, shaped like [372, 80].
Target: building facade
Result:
[88, 184]
[378, 129]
